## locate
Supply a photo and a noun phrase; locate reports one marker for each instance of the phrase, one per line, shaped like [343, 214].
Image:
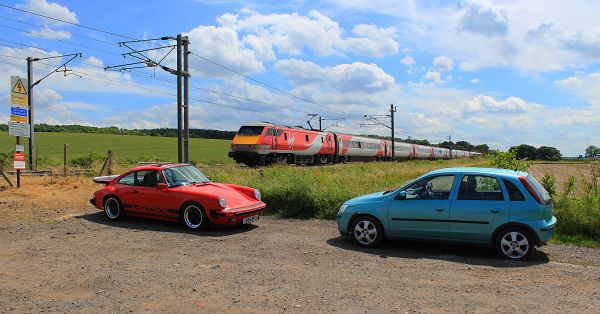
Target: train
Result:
[265, 143]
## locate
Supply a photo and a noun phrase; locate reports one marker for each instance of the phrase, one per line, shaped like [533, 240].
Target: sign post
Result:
[18, 125]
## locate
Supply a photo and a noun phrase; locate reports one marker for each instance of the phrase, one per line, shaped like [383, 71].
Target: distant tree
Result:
[548, 153]
[592, 152]
[483, 148]
[524, 151]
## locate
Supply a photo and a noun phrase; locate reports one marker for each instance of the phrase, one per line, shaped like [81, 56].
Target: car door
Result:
[422, 209]
[126, 191]
[149, 199]
[480, 207]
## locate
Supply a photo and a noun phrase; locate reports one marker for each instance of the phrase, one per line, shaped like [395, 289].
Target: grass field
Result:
[125, 148]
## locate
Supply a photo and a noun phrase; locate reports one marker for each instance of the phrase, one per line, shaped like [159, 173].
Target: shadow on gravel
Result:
[143, 224]
[472, 255]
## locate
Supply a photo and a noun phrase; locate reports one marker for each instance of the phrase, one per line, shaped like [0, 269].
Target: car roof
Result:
[478, 170]
[157, 166]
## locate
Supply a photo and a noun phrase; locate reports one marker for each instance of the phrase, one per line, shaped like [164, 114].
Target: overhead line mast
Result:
[182, 73]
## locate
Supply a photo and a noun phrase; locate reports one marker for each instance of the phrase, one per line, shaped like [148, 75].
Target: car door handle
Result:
[494, 210]
[439, 210]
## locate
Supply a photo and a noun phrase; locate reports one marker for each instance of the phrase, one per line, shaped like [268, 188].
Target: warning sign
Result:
[18, 87]
[19, 160]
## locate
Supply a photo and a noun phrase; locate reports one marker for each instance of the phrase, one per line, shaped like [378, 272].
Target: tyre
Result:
[366, 231]
[113, 209]
[514, 243]
[193, 217]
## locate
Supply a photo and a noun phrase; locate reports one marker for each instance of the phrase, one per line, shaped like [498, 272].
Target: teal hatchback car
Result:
[506, 209]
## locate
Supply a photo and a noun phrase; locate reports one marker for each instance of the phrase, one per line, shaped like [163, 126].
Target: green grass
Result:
[127, 149]
[318, 192]
[577, 240]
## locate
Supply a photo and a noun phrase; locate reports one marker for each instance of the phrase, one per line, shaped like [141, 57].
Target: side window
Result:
[480, 188]
[436, 188]
[128, 179]
[147, 178]
[513, 191]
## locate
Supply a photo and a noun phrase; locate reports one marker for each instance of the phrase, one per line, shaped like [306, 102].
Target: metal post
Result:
[179, 102]
[18, 170]
[186, 102]
[32, 164]
[392, 110]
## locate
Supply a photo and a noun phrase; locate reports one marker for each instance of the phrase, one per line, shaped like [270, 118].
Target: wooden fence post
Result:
[65, 159]
[110, 162]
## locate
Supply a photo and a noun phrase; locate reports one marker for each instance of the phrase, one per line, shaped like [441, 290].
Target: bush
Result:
[579, 215]
[509, 160]
[549, 183]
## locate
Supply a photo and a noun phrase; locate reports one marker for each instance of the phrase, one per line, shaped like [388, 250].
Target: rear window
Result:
[539, 188]
[250, 130]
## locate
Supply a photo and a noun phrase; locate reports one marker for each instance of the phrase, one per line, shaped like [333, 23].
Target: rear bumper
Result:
[545, 229]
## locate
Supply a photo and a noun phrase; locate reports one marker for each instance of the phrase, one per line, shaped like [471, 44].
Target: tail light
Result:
[531, 190]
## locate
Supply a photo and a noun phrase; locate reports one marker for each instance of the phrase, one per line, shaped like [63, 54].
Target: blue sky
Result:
[496, 72]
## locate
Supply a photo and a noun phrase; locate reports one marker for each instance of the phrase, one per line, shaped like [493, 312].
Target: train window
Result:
[250, 130]
[306, 137]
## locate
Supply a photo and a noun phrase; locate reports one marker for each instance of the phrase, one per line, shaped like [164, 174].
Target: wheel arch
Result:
[527, 228]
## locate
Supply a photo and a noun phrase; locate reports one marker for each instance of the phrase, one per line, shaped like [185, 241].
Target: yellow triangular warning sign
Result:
[19, 88]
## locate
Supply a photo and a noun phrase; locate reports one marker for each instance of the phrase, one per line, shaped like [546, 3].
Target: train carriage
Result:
[264, 143]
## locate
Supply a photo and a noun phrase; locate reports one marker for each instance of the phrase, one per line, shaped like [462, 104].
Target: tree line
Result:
[163, 132]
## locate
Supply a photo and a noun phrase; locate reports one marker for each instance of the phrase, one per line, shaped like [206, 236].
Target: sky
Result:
[495, 72]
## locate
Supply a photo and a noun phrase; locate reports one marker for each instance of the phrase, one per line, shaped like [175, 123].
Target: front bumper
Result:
[342, 221]
[233, 216]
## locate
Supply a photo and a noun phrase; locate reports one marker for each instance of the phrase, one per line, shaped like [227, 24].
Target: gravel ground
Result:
[87, 264]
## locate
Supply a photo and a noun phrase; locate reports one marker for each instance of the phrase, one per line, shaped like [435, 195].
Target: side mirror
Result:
[162, 186]
[401, 195]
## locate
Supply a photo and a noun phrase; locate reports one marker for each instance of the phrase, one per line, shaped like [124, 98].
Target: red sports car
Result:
[177, 192]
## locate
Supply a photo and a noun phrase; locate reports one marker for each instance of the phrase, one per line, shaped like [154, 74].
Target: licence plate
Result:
[250, 219]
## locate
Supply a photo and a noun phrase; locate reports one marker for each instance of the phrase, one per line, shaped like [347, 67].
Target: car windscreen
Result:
[184, 175]
[539, 188]
[250, 130]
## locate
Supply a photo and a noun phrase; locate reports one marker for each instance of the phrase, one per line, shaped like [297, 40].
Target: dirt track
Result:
[86, 264]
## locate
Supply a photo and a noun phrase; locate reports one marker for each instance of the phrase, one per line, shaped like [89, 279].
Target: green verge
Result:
[318, 192]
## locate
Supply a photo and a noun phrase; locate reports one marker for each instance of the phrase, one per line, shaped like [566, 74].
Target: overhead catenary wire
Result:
[195, 54]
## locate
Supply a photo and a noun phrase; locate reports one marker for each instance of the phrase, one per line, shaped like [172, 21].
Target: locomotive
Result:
[264, 143]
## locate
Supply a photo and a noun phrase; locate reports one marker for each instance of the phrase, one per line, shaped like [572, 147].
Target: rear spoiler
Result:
[105, 179]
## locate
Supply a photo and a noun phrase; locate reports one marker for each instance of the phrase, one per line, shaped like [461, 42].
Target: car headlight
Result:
[222, 201]
[257, 194]
[342, 209]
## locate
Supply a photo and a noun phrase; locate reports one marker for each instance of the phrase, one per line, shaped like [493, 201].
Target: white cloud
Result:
[408, 61]
[291, 33]
[583, 85]
[442, 63]
[355, 77]
[484, 18]
[433, 76]
[51, 9]
[49, 33]
[222, 45]
[487, 104]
